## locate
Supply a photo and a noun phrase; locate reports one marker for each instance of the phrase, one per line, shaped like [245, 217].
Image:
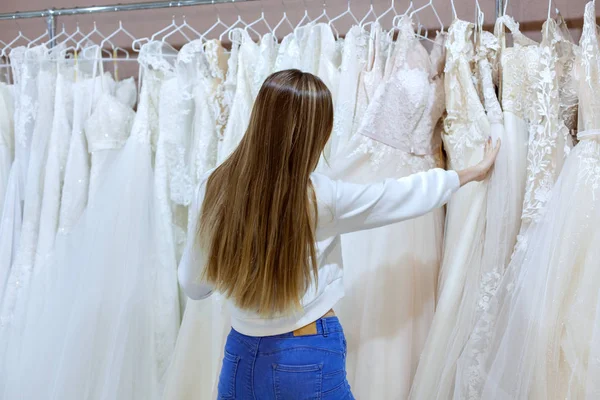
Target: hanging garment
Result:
[87, 89]
[353, 62]
[518, 66]
[6, 137]
[520, 347]
[484, 267]
[116, 340]
[467, 127]
[17, 290]
[25, 69]
[58, 147]
[386, 326]
[194, 368]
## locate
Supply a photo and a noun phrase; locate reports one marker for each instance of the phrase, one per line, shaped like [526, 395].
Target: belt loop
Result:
[324, 324]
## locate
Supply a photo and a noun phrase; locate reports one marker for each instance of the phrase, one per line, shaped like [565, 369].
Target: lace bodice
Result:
[518, 67]
[549, 138]
[466, 125]
[589, 82]
[406, 108]
[110, 124]
[486, 56]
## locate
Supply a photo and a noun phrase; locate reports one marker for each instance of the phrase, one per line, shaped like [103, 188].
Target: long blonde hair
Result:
[259, 214]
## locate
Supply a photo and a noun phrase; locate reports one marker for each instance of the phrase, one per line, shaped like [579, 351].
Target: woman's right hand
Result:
[480, 171]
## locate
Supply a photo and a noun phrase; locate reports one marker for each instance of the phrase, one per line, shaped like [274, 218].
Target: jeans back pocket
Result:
[298, 382]
[227, 376]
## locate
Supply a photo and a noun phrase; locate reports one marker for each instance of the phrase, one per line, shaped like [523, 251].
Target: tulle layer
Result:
[539, 337]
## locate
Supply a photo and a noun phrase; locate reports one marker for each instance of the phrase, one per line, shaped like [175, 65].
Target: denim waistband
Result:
[325, 326]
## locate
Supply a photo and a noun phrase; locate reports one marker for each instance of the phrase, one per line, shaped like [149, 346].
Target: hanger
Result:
[284, 19]
[12, 42]
[367, 15]
[323, 15]
[306, 18]
[383, 14]
[180, 28]
[239, 21]
[429, 5]
[259, 20]
[116, 32]
[216, 24]
[347, 12]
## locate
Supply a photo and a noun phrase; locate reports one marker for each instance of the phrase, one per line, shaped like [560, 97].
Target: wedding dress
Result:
[254, 64]
[87, 89]
[6, 138]
[18, 282]
[467, 127]
[193, 370]
[532, 340]
[115, 341]
[354, 60]
[385, 326]
[518, 67]
[58, 146]
[25, 67]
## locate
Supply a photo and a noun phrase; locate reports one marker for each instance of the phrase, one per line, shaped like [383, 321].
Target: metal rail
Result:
[150, 5]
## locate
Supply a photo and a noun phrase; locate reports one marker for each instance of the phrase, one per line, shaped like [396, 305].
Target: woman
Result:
[268, 239]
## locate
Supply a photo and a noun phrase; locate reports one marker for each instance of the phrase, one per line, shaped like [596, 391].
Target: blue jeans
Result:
[286, 367]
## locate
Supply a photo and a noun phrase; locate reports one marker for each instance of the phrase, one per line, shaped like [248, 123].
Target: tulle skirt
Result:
[102, 315]
[539, 337]
[390, 277]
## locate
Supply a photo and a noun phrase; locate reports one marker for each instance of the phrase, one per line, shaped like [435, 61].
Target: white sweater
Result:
[343, 208]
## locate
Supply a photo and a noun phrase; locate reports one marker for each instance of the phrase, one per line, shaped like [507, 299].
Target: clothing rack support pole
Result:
[149, 5]
[499, 8]
[51, 26]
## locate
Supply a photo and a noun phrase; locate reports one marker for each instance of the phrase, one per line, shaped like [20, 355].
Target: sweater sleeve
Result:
[193, 260]
[359, 207]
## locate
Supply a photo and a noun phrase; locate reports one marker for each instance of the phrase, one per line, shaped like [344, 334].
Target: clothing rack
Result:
[52, 13]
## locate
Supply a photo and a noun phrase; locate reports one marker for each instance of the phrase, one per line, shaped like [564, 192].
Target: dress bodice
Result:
[519, 64]
[109, 126]
[466, 125]
[407, 106]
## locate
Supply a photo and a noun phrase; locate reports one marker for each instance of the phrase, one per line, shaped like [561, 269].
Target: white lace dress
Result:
[534, 338]
[466, 295]
[6, 137]
[467, 127]
[25, 69]
[115, 341]
[58, 147]
[18, 283]
[390, 273]
[353, 62]
[189, 375]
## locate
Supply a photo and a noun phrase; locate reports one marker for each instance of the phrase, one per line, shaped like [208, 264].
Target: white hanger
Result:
[343, 14]
[429, 5]
[367, 15]
[79, 44]
[323, 15]
[216, 24]
[306, 18]
[238, 21]
[284, 19]
[259, 20]
[12, 42]
[179, 30]
[383, 14]
[112, 35]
